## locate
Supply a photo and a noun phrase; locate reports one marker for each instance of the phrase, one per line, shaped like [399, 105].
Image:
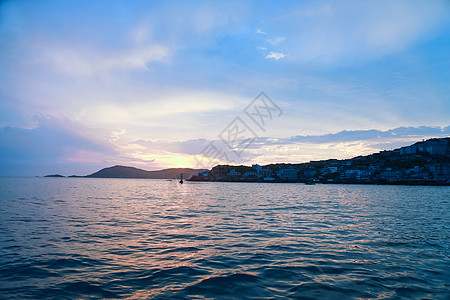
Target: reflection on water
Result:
[138, 239]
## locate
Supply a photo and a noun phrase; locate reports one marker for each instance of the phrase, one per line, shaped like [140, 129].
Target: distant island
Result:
[423, 163]
[130, 172]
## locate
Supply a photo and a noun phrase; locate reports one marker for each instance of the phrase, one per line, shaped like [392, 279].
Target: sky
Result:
[158, 84]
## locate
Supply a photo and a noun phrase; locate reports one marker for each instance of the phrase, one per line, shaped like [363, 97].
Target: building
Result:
[249, 174]
[331, 170]
[288, 174]
[434, 146]
[440, 171]
[374, 168]
[265, 172]
[437, 146]
[234, 173]
[408, 150]
[417, 173]
[308, 173]
[357, 174]
[390, 175]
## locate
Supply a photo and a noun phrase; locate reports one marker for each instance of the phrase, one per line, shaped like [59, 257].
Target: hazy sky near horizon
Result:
[90, 84]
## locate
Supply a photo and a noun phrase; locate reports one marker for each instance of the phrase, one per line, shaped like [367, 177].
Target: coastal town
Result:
[426, 162]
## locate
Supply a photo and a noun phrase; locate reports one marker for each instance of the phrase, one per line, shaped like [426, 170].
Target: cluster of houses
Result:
[426, 162]
[266, 174]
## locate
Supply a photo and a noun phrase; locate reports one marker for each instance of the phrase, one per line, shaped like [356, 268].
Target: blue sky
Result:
[90, 84]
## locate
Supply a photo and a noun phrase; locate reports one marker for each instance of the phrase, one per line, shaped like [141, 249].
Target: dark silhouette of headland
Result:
[131, 172]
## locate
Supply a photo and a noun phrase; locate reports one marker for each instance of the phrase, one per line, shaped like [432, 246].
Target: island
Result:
[131, 172]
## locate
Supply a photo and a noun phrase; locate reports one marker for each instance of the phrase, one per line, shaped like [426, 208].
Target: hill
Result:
[425, 162]
[131, 172]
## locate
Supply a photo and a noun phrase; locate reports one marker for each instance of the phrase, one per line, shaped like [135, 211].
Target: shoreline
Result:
[408, 183]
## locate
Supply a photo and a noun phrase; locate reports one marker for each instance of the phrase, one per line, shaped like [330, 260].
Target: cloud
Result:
[275, 55]
[51, 146]
[399, 133]
[340, 145]
[276, 41]
[259, 31]
[82, 62]
[191, 147]
[343, 31]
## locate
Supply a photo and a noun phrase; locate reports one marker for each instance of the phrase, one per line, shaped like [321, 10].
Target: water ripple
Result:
[149, 239]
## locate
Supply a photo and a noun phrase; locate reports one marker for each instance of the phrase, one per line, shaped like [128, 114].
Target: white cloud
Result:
[275, 55]
[259, 31]
[276, 41]
[81, 62]
[138, 58]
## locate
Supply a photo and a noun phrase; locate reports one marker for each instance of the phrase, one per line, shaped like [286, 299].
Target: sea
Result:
[80, 238]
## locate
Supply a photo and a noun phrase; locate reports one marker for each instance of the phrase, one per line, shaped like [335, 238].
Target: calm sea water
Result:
[65, 238]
